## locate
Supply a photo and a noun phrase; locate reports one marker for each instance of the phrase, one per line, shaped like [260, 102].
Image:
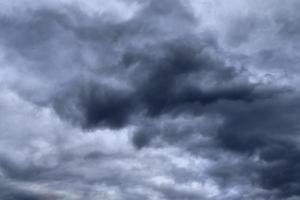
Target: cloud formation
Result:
[149, 100]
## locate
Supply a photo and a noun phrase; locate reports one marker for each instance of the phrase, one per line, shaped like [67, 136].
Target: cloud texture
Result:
[133, 99]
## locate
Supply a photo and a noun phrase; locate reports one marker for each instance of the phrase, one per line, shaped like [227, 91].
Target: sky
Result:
[149, 99]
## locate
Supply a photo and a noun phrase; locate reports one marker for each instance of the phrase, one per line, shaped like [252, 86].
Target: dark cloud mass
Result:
[150, 99]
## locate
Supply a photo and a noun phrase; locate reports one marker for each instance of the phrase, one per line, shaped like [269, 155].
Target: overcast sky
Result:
[149, 99]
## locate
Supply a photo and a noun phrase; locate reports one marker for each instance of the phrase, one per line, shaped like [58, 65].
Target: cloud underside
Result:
[171, 101]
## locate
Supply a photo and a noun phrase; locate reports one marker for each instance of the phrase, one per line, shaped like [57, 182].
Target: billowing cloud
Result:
[149, 100]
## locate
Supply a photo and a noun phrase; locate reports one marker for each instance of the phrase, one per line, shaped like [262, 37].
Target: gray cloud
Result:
[164, 104]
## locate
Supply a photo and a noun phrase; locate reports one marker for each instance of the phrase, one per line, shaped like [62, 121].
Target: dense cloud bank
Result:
[151, 99]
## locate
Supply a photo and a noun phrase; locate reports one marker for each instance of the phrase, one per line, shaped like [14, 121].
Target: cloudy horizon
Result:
[149, 99]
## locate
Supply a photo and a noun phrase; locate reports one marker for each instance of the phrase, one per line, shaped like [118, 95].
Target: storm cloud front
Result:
[149, 99]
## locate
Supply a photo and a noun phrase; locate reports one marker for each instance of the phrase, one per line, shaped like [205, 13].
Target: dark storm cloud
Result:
[263, 121]
[13, 194]
[173, 83]
[9, 192]
[13, 170]
[158, 73]
[95, 104]
[43, 36]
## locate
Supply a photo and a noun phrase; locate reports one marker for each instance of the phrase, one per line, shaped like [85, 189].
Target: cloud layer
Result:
[149, 100]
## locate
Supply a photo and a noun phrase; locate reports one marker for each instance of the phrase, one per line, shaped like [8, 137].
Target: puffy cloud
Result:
[149, 100]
